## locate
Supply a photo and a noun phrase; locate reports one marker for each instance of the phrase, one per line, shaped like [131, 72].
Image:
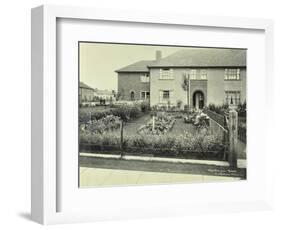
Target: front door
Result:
[198, 100]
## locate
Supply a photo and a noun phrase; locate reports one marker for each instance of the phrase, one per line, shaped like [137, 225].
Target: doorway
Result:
[198, 100]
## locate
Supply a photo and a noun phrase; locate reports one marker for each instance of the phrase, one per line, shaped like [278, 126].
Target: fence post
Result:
[121, 135]
[153, 122]
[225, 137]
[233, 130]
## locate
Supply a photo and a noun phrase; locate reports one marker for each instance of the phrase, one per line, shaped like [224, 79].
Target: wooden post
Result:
[233, 130]
[121, 135]
[153, 123]
[225, 136]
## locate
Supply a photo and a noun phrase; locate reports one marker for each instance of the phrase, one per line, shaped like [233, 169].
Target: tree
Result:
[185, 86]
[119, 94]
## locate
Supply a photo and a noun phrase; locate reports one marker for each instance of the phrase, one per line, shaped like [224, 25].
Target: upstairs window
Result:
[232, 74]
[144, 78]
[166, 73]
[193, 74]
[203, 74]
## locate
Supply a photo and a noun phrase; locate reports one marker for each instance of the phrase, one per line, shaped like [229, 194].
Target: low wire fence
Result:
[220, 119]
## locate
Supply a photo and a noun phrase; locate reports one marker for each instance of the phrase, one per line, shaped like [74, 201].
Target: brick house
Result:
[86, 93]
[194, 76]
[105, 94]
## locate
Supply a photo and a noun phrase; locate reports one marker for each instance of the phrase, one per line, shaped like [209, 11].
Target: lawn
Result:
[180, 127]
[131, 127]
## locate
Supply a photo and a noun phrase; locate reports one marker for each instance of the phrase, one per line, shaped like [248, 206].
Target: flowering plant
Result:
[161, 125]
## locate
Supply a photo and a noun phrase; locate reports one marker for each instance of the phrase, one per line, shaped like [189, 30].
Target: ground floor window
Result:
[145, 95]
[132, 95]
[232, 97]
[165, 96]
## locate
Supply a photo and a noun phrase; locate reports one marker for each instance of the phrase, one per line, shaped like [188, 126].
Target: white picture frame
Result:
[46, 183]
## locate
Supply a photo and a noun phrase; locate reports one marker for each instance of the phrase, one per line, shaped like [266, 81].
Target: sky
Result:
[98, 61]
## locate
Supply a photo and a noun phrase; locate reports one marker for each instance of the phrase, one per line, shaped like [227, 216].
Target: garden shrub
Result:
[145, 106]
[161, 145]
[127, 112]
[100, 141]
[107, 123]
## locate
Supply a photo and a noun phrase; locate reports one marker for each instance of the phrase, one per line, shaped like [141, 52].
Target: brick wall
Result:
[128, 82]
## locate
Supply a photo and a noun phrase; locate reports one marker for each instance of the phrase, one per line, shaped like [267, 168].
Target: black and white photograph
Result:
[159, 114]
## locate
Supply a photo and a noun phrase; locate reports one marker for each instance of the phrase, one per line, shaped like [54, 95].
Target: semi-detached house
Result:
[193, 76]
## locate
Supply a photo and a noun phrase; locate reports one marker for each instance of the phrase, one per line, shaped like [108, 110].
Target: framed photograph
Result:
[141, 114]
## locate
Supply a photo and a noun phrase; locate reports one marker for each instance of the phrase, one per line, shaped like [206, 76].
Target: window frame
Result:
[236, 98]
[193, 74]
[145, 95]
[145, 76]
[168, 76]
[166, 96]
[203, 72]
[163, 100]
[229, 74]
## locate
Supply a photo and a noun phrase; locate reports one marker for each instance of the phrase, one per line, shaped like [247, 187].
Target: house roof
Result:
[204, 57]
[193, 57]
[140, 66]
[104, 92]
[83, 85]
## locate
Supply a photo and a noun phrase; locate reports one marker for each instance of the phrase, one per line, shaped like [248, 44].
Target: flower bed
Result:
[162, 124]
[109, 122]
[198, 119]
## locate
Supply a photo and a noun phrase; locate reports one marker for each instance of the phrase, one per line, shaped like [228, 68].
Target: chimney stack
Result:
[158, 55]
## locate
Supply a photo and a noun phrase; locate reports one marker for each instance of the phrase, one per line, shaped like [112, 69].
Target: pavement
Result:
[100, 170]
[99, 177]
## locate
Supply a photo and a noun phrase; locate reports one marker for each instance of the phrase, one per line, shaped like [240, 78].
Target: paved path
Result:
[96, 170]
[97, 177]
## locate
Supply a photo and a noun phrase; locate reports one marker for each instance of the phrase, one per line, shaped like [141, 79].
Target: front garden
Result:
[148, 133]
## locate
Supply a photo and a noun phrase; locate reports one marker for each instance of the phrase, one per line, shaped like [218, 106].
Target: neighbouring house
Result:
[86, 93]
[105, 94]
[194, 77]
